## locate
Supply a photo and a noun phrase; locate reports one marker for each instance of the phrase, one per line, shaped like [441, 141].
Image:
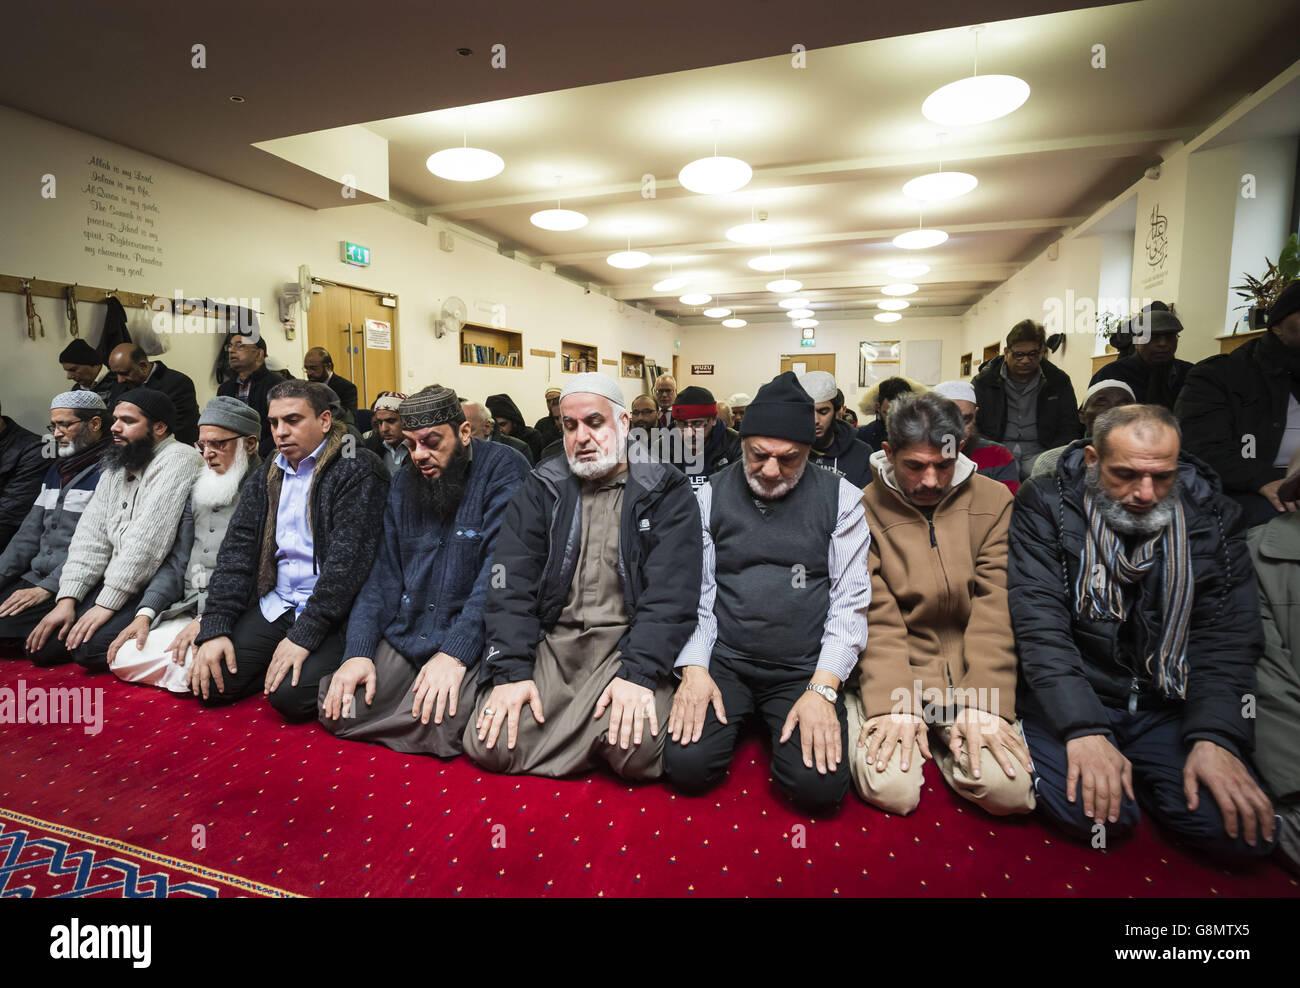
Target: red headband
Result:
[684, 413]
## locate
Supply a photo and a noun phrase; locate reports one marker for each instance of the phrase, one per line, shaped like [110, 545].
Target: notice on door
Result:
[379, 335]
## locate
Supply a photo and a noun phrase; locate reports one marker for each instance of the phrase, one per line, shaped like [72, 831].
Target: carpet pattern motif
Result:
[169, 798]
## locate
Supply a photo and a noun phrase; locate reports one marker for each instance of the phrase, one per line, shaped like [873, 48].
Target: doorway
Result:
[360, 333]
[810, 362]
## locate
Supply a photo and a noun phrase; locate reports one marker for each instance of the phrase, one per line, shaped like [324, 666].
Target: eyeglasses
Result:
[239, 346]
[63, 426]
[1025, 354]
[216, 445]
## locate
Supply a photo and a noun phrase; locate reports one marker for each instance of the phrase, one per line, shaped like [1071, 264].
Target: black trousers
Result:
[1152, 741]
[255, 640]
[92, 654]
[749, 691]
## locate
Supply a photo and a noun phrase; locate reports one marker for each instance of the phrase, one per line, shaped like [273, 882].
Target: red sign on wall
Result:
[701, 368]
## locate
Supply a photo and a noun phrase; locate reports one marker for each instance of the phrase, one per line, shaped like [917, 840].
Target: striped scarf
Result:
[1106, 565]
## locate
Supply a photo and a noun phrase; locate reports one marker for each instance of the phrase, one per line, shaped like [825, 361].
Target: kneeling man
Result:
[1136, 614]
[783, 609]
[416, 630]
[940, 666]
[599, 561]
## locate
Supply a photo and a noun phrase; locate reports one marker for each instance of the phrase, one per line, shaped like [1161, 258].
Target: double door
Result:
[337, 322]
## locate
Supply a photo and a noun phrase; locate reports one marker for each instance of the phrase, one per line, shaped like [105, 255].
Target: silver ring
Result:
[489, 711]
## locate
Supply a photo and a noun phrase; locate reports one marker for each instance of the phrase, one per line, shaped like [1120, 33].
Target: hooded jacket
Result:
[502, 406]
[938, 597]
[846, 456]
[660, 553]
[1137, 374]
[1074, 667]
[1058, 411]
[721, 448]
[22, 466]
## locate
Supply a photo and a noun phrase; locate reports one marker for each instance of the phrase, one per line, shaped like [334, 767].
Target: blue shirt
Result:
[294, 556]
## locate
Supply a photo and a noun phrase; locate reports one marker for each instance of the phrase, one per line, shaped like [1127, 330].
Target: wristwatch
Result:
[825, 691]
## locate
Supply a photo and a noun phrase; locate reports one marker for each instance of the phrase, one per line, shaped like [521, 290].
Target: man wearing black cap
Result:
[416, 632]
[127, 530]
[253, 382]
[1153, 372]
[81, 365]
[1240, 411]
[299, 547]
[783, 610]
[704, 444]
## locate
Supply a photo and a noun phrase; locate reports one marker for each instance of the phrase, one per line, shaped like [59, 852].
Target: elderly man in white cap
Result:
[385, 436]
[1100, 397]
[836, 447]
[32, 563]
[156, 648]
[992, 460]
[738, 403]
[600, 558]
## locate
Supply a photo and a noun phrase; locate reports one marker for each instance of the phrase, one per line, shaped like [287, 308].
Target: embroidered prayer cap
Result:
[79, 399]
[434, 405]
[388, 401]
[595, 383]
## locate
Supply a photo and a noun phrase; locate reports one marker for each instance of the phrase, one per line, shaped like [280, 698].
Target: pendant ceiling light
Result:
[558, 219]
[695, 298]
[940, 185]
[717, 312]
[464, 164]
[800, 313]
[920, 238]
[909, 270]
[734, 323]
[628, 258]
[887, 317]
[893, 304]
[977, 99]
[670, 284]
[806, 323]
[901, 289]
[769, 262]
[783, 285]
[793, 303]
[716, 175]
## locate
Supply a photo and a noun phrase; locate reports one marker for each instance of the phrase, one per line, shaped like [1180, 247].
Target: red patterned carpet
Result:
[170, 799]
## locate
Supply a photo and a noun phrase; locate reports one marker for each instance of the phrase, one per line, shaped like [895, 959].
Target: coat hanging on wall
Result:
[115, 330]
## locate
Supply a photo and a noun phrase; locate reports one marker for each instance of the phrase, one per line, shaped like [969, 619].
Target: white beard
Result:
[603, 465]
[216, 490]
[774, 492]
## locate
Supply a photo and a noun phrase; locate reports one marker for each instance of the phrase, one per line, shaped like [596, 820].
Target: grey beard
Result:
[216, 490]
[776, 491]
[79, 443]
[602, 466]
[1125, 522]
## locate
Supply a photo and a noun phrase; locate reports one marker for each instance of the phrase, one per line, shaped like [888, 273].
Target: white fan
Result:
[452, 317]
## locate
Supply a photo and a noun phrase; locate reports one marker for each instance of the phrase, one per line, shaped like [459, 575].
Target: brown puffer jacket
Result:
[938, 598]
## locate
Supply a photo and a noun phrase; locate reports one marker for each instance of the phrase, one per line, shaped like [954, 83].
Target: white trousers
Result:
[153, 665]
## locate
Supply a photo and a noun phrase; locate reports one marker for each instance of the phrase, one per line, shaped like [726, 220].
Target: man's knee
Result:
[696, 767]
[294, 703]
[996, 792]
[892, 790]
[811, 790]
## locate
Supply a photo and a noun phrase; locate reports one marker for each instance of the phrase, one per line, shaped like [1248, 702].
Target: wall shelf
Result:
[577, 358]
[632, 364]
[485, 346]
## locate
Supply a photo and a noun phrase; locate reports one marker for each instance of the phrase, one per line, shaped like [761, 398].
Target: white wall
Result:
[221, 240]
[748, 357]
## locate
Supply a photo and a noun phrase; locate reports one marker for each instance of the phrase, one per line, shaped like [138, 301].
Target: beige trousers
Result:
[896, 791]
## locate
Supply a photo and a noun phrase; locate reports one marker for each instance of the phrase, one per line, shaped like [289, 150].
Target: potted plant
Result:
[1261, 293]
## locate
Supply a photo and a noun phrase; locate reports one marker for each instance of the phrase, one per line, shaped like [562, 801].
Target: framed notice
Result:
[699, 369]
[379, 335]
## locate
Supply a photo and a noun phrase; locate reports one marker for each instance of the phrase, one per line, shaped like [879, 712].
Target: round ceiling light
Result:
[628, 259]
[761, 232]
[975, 100]
[893, 304]
[734, 323]
[695, 298]
[769, 262]
[669, 284]
[715, 175]
[901, 289]
[717, 312]
[793, 303]
[920, 239]
[783, 286]
[887, 317]
[909, 270]
[558, 219]
[805, 323]
[940, 185]
[465, 164]
[800, 313]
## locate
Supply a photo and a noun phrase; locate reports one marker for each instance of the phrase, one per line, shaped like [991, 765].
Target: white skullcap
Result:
[1109, 383]
[957, 391]
[79, 399]
[594, 383]
[739, 400]
[820, 385]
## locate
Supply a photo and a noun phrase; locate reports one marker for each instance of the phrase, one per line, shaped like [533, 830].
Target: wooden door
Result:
[337, 322]
[811, 362]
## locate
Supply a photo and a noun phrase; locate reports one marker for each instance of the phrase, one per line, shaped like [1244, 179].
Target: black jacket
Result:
[873, 434]
[180, 389]
[1058, 412]
[347, 392]
[1136, 373]
[1235, 404]
[263, 381]
[502, 406]
[518, 445]
[721, 448]
[548, 429]
[22, 468]
[1073, 667]
[346, 511]
[660, 554]
[846, 455]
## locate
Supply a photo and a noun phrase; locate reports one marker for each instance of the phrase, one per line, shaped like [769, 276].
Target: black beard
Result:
[133, 456]
[438, 498]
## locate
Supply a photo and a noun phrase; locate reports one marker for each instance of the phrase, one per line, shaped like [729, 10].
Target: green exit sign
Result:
[356, 254]
[807, 342]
